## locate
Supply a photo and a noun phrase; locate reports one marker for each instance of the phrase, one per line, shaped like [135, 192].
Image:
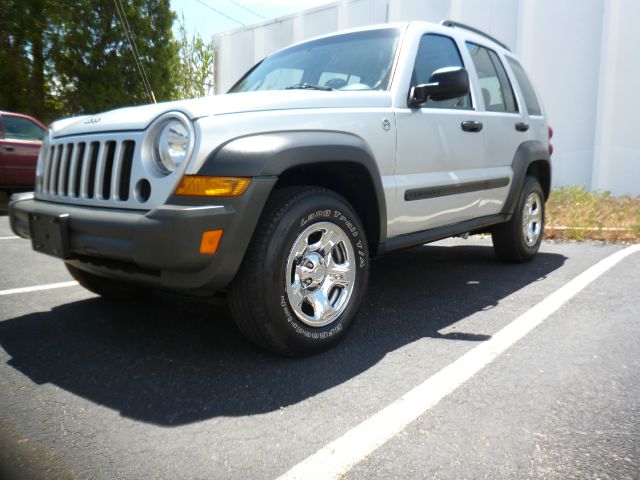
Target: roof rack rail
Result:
[453, 24]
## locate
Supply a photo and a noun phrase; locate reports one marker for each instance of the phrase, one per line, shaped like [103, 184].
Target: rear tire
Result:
[106, 287]
[304, 274]
[518, 240]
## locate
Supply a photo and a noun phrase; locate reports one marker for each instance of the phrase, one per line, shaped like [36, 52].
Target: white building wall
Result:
[581, 54]
[617, 140]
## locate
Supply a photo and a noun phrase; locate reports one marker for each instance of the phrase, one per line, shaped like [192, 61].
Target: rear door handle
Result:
[8, 149]
[522, 126]
[471, 126]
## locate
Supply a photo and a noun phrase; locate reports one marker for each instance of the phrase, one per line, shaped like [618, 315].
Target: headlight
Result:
[173, 143]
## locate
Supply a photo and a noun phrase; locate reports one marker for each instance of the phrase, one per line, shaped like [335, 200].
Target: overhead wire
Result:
[137, 53]
[244, 7]
[220, 12]
[134, 50]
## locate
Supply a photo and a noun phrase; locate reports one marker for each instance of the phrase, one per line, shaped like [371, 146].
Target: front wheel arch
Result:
[354, 183]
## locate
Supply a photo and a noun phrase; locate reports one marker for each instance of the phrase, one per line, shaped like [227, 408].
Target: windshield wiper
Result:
[308, 86]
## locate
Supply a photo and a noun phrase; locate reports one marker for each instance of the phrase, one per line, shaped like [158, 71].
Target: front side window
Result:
[496, 89]
[435, 52]
[351, 61]
[529, 94]
[19, 128]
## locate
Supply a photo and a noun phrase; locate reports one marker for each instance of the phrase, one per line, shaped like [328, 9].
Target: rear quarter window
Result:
[529, 94]
[494, 82]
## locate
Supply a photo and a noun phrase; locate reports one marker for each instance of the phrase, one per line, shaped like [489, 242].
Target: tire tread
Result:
[507, 238]
[245, 299]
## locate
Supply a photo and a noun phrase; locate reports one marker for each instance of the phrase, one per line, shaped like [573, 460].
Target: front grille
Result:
[89, 169]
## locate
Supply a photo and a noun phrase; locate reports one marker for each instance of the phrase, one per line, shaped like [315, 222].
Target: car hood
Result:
[139, 118]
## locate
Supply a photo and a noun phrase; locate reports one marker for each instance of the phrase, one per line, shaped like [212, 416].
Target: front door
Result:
[20, 143]
[441, 151]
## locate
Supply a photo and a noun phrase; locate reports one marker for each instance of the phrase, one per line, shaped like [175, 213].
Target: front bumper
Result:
[159, 248]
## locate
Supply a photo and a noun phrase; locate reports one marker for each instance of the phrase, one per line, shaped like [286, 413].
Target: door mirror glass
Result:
[444, 84]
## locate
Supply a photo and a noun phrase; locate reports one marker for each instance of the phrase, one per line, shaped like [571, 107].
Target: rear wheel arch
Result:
[541, 170]
[530, 159]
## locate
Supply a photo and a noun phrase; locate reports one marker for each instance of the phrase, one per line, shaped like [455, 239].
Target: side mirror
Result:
[444, 84]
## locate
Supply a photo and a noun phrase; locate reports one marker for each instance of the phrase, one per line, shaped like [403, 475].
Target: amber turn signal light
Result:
[194, 185]
[210, 241]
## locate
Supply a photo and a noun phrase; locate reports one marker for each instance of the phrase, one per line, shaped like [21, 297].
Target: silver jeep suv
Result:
[324, 155]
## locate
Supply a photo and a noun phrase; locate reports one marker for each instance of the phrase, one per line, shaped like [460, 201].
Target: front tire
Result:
[519, 239]
[304, 274]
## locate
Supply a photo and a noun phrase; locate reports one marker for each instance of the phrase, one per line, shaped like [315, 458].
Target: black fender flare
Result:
[271, 154]
[527, 153]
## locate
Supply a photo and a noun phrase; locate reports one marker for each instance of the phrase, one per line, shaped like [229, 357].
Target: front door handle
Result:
[522, 126]
[471, 126]
[8, 149]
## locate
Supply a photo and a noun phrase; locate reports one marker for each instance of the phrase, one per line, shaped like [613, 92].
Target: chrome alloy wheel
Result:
[532, 219]
[320, 274]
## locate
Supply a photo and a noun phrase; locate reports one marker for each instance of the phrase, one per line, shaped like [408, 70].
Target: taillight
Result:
[550, 137]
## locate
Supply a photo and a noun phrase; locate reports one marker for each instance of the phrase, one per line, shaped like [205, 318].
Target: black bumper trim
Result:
[162, 246]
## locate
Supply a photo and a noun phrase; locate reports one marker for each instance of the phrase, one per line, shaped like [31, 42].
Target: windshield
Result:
[351, 61]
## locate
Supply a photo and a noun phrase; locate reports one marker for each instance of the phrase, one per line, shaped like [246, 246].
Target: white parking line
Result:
[336, 458]
[36, 288]
[9, 238]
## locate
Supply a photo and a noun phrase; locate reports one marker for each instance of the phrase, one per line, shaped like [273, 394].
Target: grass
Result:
[575, 214]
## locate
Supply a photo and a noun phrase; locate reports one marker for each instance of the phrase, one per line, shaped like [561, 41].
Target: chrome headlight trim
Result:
[173, 139]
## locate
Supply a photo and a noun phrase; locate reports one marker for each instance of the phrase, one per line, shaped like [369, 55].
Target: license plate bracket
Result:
[50, 234]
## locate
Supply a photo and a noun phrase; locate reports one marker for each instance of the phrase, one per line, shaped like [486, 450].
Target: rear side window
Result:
[435, 52]
[530, 99]
[19, 128]
[494, 82]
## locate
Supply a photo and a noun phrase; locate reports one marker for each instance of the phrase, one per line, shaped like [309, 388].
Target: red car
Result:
[20, 140]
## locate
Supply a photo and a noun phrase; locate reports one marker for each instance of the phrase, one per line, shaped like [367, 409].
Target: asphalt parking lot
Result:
[169, 389]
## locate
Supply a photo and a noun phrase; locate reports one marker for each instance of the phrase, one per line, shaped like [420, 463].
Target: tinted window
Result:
[18, 128]
[435, 52]
[494, 82]
[280, 78]
[530, 99]
[337, 80]
[352, 61]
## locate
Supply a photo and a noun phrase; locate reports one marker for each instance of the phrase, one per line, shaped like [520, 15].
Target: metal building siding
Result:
[579, 53]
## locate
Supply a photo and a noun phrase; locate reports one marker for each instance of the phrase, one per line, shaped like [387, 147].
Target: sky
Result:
[201, 16]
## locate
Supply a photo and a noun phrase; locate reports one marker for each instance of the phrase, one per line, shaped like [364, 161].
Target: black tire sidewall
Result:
[313, 208]
[530, 185]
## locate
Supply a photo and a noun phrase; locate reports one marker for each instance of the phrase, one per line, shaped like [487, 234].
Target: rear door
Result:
[440, 160]
[535, 114]
[505, 124]
[20, 141]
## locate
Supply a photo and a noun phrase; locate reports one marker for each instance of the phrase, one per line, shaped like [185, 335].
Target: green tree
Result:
[96, 68]
[25, 30]
[65, 57]
[195, 74]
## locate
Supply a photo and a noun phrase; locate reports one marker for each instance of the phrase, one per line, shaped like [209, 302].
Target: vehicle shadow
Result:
[173, 360]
